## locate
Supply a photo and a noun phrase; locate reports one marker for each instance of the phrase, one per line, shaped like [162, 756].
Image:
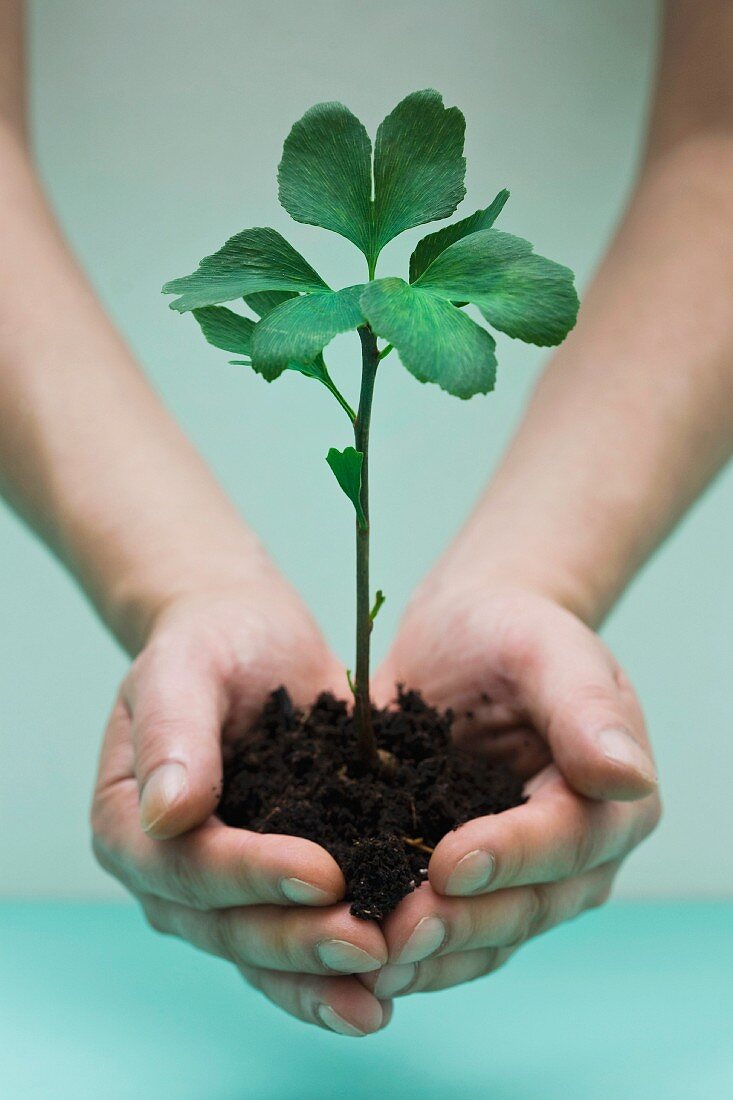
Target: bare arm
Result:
[634, 415]
[92, 461]
[631, 420]
[88, 455]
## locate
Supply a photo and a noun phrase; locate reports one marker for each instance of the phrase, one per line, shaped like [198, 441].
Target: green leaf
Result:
[525, 295]
[346, 466]
[318, 370]
[262, 302]
[435, 341]
[379, 601]
[252, 261]
[225, 329]
[325, 174]
[419, 167]
[435, 243]
[300, 328]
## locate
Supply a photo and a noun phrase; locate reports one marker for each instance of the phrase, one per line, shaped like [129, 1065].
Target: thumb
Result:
[176, 703]
[580, 700]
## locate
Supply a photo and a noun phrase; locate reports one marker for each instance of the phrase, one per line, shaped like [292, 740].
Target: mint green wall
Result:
[159, 128]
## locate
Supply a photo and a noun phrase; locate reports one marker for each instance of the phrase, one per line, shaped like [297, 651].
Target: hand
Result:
[271, 904]
[548, 698]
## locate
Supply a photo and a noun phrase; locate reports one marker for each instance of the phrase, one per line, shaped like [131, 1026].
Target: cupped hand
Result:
[271, 904]
[535, 688]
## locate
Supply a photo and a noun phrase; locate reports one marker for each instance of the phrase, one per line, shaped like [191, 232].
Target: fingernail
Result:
[472, 873]
[303, 893]
[337, 1023]
[164, 787]
[393, 979]
[346, 957]
[620, 746]
[428, 936]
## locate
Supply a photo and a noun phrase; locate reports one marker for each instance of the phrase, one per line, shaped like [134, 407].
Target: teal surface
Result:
[634, 1001]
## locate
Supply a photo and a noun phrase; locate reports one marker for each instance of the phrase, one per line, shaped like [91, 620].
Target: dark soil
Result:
[299, 773]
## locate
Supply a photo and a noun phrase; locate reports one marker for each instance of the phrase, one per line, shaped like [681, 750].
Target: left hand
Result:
[548, 698]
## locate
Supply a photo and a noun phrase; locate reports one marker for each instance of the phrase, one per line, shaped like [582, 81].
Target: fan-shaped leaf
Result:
[325, 174]
[266, 300]
[300, 328]
[435, 243]
[435, 341]
[419, 165]
[225, 329]
[252, 261]
[346, 466]
[520, 293]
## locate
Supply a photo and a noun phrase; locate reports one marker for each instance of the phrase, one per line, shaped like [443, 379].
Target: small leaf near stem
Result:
[350, 682]
[385, 351]
[347, 469]
[379, 600]
[318, 370]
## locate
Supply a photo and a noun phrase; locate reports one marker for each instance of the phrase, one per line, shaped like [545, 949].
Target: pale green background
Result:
[159, 128]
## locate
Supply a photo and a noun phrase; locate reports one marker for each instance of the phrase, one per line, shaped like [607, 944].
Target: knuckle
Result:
[601, 895]
[538, 910]
[227, 941]
[584, 847]
[288, 944]
[425, 976]
[184, 879]
[154, 917]
[249, 878]
[492, 961]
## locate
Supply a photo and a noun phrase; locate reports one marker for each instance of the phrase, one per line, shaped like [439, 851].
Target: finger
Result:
[396, 980]
[577, 696]
[177, 703]
[307, 941]
[212, 866]
[428, 924]
[341, 1005]
[556, 834]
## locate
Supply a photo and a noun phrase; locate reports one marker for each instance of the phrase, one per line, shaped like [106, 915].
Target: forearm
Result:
[88, 456]
[635, 413]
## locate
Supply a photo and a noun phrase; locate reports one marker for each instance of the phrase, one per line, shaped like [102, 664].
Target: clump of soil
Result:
[300, 773]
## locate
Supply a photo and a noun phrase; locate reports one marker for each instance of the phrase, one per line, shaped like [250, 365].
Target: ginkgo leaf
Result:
[316, 370]
[252, 261]
[435, 340]
[225, 329]
[346, 466]
[435, 243]
[325, 175]
[419, 167]
[525, 295]
[261, 303]
[300, 328]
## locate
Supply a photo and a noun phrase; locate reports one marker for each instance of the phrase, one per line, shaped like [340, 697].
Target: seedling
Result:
[329, 177]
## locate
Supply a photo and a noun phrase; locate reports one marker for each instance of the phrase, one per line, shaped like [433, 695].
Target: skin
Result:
[632, 418]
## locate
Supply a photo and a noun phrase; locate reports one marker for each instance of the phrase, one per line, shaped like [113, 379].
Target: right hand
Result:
[271, 904]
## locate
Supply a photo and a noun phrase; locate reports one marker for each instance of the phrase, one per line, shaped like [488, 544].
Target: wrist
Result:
[468, 568]
[141, 598]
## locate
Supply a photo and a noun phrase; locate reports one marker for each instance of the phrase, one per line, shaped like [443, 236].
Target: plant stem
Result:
[362, 700]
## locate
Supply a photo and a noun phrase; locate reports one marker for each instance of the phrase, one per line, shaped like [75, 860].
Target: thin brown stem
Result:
[362, 699]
